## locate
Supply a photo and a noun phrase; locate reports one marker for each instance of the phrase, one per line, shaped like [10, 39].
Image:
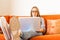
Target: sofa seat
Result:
[47, 37]
[2, 37]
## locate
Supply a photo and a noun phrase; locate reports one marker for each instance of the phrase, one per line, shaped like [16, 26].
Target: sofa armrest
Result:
[2, 37]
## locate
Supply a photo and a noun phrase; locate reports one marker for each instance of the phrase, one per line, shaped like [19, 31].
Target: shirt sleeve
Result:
[42, 23]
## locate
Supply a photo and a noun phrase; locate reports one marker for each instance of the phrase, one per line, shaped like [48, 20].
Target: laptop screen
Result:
[29, 23]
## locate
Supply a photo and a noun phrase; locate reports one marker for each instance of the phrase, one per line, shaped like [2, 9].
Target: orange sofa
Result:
[44, 37]
[48, 37]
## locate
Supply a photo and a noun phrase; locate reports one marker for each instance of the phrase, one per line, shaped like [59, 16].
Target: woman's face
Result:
[34, 12]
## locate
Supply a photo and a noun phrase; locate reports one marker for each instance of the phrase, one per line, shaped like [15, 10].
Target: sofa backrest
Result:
[46, 17]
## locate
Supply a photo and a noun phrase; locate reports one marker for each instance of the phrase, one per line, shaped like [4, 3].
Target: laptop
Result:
[29, 23]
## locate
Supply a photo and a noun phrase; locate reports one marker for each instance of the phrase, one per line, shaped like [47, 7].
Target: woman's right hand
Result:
[41, 30]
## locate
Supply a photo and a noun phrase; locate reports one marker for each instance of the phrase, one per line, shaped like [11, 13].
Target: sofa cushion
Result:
[53, 26]
[46, 37]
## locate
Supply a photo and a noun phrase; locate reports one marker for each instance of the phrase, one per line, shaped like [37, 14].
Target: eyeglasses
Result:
[34, 11]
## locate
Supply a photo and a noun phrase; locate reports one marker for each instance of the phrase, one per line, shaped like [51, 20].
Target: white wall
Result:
[5, 7]
[49, 7]
[46, 7]
[23, 7]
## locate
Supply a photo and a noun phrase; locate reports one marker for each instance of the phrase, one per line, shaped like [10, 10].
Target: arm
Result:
[42, 25]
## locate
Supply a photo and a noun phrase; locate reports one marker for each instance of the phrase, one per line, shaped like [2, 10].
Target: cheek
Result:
[33, 14]
[36, 14]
